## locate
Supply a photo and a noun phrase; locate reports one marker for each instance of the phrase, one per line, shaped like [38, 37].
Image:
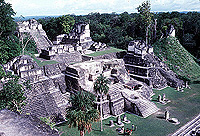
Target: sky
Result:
[84, 7]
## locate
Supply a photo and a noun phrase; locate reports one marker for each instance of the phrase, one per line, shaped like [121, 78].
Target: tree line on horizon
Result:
[119, 29]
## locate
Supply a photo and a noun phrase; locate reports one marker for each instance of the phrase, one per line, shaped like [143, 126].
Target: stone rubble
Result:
[13, 124]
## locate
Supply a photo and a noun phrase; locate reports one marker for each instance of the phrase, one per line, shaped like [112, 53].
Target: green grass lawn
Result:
[41, 63]
[111, 50]
[184, 106]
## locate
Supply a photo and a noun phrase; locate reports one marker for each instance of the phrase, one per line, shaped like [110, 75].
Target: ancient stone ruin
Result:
[34, 28]
[123, 92]
[12, 124]
[143, 65]
[132, 78]
[48, 94]
[70, 47]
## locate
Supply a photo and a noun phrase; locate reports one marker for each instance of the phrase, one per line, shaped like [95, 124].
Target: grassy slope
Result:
[184, 106]
[41, 63]
[178, 58]
[111, 50]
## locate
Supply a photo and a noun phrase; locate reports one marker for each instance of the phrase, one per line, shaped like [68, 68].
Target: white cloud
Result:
[52, 7]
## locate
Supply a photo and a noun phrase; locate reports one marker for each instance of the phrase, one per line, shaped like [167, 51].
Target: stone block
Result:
[52, 69]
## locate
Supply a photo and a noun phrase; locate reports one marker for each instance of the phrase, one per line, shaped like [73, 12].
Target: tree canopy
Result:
[12, 93]
[54, 26]
[7, 24]
[82, 112]
[119, 29]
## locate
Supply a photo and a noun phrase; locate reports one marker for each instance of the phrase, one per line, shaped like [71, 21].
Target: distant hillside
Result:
[170, 51]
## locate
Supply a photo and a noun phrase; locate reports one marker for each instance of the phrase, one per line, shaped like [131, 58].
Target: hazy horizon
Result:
[84, 7]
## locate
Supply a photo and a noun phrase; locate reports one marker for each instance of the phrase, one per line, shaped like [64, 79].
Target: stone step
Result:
[187, 128]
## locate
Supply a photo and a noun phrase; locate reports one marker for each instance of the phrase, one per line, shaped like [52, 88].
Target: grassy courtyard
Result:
[111, 50]
[184, 106]
[39, 62]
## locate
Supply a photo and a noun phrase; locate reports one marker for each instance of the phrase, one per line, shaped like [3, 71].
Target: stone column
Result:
[186, 84]
[166, 115]
[159, 98]
[178, 88]
[164, 98]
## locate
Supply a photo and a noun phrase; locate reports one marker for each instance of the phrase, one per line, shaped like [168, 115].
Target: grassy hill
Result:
[171, 52]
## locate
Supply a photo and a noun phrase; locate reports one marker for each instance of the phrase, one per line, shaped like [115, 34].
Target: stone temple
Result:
[133, 74]
[33, 28]
[125, 94]
[143, 65]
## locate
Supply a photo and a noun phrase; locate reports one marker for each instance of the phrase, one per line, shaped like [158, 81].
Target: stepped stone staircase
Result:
[138, 104]
[41, 39]
[187, 129]
[134, 102]
[47, 95]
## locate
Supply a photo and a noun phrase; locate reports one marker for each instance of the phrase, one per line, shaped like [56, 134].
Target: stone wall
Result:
[157, 80]
[60, 83]
[51, 70]
[68, 58]
[172, 78]
[151, 70]
[116, 55]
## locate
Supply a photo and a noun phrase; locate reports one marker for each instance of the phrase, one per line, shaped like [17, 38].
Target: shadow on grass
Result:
[122, 134]
[97, 130]
[154, 100]
[160, 117]
[61, 124]
[107, 124]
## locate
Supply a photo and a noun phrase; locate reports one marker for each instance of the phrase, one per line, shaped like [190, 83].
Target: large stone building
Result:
[123, 92]
[143, 65]
[72, 45]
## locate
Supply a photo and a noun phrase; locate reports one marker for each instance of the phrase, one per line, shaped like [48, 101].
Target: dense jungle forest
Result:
[118, 29]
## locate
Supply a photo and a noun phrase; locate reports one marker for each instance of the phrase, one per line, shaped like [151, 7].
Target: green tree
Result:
[65, 24]
[7, 24]
[82, 112]
[146, 16]
[12, 93]
[101, 87]
[9, 48]
[57, 25]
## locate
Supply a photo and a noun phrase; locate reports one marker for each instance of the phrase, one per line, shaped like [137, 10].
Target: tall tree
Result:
[101, 87]
[7, 24]
[146, 16]
[82, 112]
